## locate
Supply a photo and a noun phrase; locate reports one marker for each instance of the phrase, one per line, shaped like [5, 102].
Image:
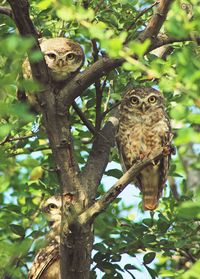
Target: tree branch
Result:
[140, 14]
[9, 139]
[101, 204]
[84, 79]
[99, 156]
[98, 88]
[20, 11]
[84, 119]
[6, 11]
[163, 40]
[156, 21]
[111, 108]
[54, 116]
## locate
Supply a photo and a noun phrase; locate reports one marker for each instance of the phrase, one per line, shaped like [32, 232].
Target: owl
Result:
[63, 58]
[46, 264]
[144, 130]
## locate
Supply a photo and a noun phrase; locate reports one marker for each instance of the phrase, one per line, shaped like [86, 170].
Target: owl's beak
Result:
[143, 107]
[60, 63]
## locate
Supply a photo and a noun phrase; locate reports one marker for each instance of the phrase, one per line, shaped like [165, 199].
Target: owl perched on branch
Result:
[63, 58]
[144, 130]
[46, 264]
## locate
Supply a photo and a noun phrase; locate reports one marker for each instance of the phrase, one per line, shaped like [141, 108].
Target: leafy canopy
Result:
[168, 238]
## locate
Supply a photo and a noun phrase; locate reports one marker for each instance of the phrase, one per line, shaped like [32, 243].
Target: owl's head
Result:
[142, 100]
[53, 207]
[63, 57]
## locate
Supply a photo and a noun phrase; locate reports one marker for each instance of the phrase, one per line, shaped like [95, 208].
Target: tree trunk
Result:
[76, 252]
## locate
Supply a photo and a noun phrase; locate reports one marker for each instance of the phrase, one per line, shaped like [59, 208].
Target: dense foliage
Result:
[162, 244]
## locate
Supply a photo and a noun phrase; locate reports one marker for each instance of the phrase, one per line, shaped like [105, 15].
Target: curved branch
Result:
[81, 81]
[101, 204]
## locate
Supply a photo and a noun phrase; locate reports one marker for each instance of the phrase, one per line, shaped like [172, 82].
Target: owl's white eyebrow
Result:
[50, 52]
[69, 52]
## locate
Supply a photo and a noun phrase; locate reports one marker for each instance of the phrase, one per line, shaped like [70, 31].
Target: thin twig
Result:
[111, 108]
[49, 169]
[107, 99]
[84, 119]
[145, 11]
[98, 105]
[87, 123]
[155, 23]
[104, 84]
[136, 19]
[29, 150]
[98, 6]
[8, 139]
[98, 88]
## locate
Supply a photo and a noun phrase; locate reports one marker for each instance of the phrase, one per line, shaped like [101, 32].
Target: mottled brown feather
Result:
[144, 130]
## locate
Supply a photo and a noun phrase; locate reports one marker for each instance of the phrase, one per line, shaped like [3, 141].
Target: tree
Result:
[73, 153]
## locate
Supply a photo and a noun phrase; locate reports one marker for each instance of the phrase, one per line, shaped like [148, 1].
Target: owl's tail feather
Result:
[150, 199]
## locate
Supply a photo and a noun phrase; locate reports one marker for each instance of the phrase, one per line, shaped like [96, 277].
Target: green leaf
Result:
[19, 230]
[149, 257]
[4, 183]
[100, 247]
[115, 173]
[151, 272]
[130, 267]
[149, 238]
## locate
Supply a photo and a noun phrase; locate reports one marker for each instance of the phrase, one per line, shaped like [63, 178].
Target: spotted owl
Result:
[144, 130]
[46, 264]
[63, 58]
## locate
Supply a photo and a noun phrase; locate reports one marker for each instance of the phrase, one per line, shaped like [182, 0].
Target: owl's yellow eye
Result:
[52, 206]
[70, 56]
[134, 100]
[51, 55]
[152, 99]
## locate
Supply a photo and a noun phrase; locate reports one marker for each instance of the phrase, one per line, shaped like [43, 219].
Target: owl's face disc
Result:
[63, 57]
[142, 101]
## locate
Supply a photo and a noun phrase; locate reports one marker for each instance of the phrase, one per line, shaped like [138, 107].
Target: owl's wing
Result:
[152, 179]
[163, 170]
[43, 260]
[125, 167]
[124, 163]
[165, 161]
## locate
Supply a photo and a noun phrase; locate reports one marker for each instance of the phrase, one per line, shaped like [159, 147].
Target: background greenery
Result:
[168, 238]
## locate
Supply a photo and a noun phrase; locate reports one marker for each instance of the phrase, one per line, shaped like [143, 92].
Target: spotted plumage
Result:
[144, 130]
[46, 264]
